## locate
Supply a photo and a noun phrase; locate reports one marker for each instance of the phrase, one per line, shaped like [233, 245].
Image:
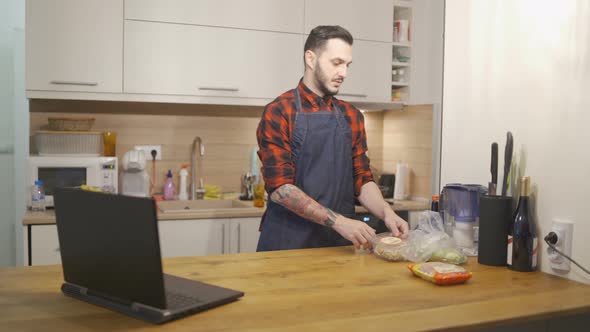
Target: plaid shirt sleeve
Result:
[360, 162]
[274, 151]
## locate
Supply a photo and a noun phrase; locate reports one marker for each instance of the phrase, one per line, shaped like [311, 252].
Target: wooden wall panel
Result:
[228, 132]
[229, 135]
[407, 137]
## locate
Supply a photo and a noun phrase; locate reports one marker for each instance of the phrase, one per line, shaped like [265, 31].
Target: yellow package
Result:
[90, 188]
[440, 273]
[212, 192]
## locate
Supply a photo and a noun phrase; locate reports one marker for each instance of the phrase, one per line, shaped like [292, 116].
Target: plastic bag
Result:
[430, 242]
[389, 247]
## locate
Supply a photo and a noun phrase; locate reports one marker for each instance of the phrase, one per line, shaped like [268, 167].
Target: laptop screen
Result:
[109, 244]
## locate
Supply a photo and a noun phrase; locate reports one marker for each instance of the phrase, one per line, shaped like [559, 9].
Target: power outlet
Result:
[147, 149]
[565, 236]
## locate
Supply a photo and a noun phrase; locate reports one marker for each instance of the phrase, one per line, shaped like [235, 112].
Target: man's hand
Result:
[396, 224]
[372, 199]
[355, 231]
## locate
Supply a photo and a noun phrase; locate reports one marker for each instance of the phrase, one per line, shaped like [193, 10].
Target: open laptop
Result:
[110, 252]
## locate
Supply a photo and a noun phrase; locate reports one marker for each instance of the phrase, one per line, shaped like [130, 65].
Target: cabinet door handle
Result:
[212, 88]
[362, 95]
[73, 83]
[223, 238]
[239, 242]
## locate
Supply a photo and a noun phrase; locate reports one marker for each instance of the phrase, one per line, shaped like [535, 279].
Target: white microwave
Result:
[72, 171]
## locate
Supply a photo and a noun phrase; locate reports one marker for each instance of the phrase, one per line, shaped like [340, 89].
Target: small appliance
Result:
[134, 179]
[72, 171]
[460, 212]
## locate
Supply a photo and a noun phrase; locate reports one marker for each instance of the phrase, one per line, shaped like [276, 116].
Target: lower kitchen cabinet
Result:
[178, 238]
[244, 234]
[199, 237]
[44, 245]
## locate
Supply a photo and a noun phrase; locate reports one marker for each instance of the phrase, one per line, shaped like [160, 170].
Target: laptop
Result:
[110, 252]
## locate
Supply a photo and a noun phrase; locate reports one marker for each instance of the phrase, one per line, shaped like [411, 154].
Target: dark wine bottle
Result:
[522, 234]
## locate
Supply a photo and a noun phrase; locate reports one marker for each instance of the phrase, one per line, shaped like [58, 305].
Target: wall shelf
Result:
[399, 84]
[397, 64]
[401, 50]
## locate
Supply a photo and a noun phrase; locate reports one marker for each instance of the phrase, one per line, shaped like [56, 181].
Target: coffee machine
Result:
[134, 179]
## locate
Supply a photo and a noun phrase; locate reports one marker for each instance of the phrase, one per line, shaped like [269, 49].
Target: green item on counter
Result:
[448, 255]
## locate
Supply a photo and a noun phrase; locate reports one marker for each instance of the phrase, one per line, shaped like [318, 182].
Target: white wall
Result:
[523, 66]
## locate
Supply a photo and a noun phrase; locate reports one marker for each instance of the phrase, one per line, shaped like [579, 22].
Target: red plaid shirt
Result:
[276, 127]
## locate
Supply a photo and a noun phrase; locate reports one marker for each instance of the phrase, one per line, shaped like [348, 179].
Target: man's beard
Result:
[321, 79]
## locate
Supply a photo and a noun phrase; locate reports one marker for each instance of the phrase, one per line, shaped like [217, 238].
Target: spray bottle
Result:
[182, 193]
[169, 187]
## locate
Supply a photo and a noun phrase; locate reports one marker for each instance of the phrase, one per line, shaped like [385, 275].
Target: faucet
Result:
[196, 140]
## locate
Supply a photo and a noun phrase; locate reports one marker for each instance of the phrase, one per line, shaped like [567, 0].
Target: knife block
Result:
[494, 218]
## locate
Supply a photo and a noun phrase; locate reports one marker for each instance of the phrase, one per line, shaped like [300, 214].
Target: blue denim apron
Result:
[321, 148]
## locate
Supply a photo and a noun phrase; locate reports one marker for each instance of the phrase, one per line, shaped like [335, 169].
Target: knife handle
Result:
[494, 165]
[507, 161]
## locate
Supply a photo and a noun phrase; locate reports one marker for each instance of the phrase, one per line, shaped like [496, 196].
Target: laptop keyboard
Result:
[179, 300]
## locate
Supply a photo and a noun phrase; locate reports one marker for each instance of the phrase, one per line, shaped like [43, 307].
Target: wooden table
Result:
[330, 289]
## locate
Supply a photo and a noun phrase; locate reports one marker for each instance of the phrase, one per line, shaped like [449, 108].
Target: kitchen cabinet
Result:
[366, 20]
[268, 15]
[74, 45]
[177, 59]
[178, 238]
[244, 234]
[199, 237]
[426, 72]
[368, 77]
[229, 52]
[44, 245]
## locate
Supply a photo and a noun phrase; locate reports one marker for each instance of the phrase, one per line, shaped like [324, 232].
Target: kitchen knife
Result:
[494, 170]
[507, 161]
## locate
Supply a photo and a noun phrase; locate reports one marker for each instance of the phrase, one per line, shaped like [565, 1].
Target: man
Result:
[312, 148]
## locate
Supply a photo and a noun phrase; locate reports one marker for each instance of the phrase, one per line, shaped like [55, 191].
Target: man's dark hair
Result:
[321, 34]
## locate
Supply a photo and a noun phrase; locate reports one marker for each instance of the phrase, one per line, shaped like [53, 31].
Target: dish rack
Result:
[79, 143]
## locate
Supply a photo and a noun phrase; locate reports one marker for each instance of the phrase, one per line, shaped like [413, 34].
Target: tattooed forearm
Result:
[331, 219]
[297, 201]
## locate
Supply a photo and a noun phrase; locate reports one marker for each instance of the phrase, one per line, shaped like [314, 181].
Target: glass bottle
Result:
[38, 197]
[522, 233]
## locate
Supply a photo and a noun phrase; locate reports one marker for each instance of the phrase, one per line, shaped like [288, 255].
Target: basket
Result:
[70, 124]
[80, 143]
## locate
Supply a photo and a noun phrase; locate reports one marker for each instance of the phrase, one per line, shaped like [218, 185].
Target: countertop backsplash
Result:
[229, 135]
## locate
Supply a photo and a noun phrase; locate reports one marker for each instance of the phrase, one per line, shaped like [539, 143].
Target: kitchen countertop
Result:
[48, 217]
[328, 289]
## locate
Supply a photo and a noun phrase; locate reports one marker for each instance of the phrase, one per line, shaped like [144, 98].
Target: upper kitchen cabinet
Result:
[268, 15]
[190, 60]
[367, 20]
[368, 78]
[426, 71]
[74, 45]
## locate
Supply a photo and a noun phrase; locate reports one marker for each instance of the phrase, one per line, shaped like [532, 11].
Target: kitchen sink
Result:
[200, 205]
